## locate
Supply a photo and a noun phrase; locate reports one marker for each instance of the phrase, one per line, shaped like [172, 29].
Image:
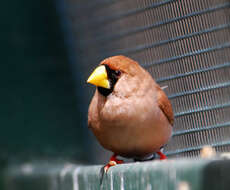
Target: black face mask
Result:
[113, 76]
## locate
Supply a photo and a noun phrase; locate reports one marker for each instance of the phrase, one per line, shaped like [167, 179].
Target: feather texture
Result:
[136, 119]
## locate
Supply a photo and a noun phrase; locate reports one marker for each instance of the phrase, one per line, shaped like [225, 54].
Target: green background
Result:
[40, 110]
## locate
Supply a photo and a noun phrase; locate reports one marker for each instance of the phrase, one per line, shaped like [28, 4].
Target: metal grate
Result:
[183, 44]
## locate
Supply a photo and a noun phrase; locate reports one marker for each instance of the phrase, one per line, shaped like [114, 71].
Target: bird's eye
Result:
[118, 73]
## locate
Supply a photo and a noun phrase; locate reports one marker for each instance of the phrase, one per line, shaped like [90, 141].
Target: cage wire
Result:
[184, 44]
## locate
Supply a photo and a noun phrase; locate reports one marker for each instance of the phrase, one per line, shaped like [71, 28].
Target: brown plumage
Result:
[135, 119]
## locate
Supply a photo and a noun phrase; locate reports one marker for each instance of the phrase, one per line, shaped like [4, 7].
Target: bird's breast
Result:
[131, 126]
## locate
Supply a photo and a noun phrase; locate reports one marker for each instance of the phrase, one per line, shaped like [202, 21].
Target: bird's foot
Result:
[162, 156]
[112, 162]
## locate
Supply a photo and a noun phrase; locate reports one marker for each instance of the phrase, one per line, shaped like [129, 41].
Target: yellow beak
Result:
[99, 77]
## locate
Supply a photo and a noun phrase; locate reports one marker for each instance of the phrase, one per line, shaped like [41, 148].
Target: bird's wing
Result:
[165, 106]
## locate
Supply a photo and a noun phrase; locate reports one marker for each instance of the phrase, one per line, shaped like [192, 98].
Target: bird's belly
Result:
[133, 139]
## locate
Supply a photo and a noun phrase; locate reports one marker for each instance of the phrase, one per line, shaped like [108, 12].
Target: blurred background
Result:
[50, 47]
[42, 114]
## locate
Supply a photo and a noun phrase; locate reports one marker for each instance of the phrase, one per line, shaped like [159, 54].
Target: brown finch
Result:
[129, 114]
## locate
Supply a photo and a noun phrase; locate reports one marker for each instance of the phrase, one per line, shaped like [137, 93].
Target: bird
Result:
[129, 114]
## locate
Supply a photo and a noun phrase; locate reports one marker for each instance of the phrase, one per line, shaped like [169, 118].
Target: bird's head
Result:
[110, 70]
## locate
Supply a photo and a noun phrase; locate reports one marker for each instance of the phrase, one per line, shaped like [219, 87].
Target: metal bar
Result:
[112, 18]
[163, 42]
[169, 153]
[218, 47]
[188, 131]
[181, 75]
[222, 85]
[143, 28]
[202, 109]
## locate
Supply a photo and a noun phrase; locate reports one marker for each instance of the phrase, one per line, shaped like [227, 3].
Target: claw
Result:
[112, 162]
[162, 156]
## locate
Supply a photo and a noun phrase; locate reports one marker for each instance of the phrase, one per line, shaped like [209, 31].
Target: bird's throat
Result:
[112, 80]
[104, 91]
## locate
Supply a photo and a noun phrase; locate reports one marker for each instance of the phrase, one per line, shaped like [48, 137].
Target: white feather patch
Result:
[164, 87]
